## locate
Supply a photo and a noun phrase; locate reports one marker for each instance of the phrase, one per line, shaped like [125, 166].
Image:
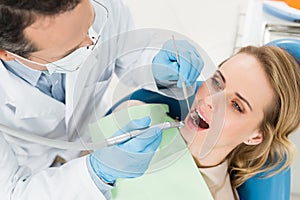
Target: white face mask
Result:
[71, 62]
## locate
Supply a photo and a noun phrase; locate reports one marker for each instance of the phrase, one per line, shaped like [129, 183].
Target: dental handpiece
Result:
[81, 145]
[126, 136]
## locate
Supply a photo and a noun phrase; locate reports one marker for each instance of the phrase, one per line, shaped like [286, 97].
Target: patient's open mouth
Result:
[199, 120]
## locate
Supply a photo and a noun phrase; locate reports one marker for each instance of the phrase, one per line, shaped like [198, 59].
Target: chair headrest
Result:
[290, 45]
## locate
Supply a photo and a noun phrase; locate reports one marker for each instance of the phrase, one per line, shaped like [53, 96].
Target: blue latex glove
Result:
[166, 68]
[129, 159]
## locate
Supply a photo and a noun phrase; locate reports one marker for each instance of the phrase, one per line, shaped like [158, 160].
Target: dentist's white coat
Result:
[24, 166]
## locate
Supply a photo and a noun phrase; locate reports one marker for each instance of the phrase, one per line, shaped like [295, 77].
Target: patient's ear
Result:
[6, 56]
[256, 138]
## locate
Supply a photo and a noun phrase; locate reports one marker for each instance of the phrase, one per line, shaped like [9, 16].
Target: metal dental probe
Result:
[183, 83]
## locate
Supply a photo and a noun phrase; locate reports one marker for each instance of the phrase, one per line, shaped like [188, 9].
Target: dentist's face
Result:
[59, 35]
[229, 107]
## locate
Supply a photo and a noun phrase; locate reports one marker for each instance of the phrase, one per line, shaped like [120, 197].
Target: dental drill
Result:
[85, 145]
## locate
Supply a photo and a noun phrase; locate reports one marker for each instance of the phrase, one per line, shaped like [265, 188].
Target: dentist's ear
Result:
[6, 56]
[255, 139]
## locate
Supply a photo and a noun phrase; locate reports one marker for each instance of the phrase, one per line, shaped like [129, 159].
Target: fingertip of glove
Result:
[151, 133]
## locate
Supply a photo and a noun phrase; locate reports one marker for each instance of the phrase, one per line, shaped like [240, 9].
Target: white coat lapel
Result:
[75, 83]
[70, 93]
[80, 84]
[28, 101]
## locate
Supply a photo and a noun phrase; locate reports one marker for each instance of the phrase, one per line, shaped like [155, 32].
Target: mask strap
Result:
[27, 60]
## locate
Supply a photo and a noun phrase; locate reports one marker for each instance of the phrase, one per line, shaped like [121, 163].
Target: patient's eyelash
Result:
[216, 83]
[237, 107]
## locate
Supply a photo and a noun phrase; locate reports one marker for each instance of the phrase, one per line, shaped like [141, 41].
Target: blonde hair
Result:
[281, 118]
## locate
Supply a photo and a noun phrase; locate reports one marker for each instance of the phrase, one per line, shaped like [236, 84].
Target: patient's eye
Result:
[217, 83]
[237, 107]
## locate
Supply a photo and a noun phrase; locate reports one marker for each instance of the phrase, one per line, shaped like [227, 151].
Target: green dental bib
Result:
[172, 173]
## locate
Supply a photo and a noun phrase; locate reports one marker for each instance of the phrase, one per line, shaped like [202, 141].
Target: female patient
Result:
[242, 117]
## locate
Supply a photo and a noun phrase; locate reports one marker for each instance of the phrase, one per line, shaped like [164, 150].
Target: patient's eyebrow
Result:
[221, 75]
[243, 99]
[237, 94]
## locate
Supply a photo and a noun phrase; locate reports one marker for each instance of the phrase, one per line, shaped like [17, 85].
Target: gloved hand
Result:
[166, 68]
[129, 159]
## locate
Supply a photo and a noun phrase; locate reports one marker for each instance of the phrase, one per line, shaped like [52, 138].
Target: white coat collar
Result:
[28, 101]
[75, 84]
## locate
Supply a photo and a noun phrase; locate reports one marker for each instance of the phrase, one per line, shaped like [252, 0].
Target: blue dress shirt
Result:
[53, 85]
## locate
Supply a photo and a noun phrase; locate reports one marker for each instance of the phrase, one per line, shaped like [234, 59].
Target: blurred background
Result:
[220, 28]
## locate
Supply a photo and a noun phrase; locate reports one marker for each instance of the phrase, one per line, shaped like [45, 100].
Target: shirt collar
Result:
[29, 75]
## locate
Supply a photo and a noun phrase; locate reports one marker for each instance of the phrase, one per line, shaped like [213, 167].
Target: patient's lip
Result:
[202, 113]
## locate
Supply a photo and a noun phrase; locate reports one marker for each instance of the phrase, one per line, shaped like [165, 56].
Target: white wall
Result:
[212, 24]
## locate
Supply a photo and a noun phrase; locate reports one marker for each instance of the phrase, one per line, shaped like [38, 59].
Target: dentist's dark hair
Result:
[16, 15]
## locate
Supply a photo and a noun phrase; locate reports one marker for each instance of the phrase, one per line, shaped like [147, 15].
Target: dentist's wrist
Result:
[103, 187]
[96, 166]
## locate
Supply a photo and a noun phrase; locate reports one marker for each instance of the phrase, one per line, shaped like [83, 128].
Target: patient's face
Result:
[228, 107]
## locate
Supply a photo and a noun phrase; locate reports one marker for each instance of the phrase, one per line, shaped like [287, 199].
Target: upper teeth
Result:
[201, 116]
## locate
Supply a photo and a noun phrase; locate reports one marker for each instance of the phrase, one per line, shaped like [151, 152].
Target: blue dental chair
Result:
[259, 187]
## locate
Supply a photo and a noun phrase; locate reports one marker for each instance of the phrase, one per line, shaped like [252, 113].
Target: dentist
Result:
[57, 59]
